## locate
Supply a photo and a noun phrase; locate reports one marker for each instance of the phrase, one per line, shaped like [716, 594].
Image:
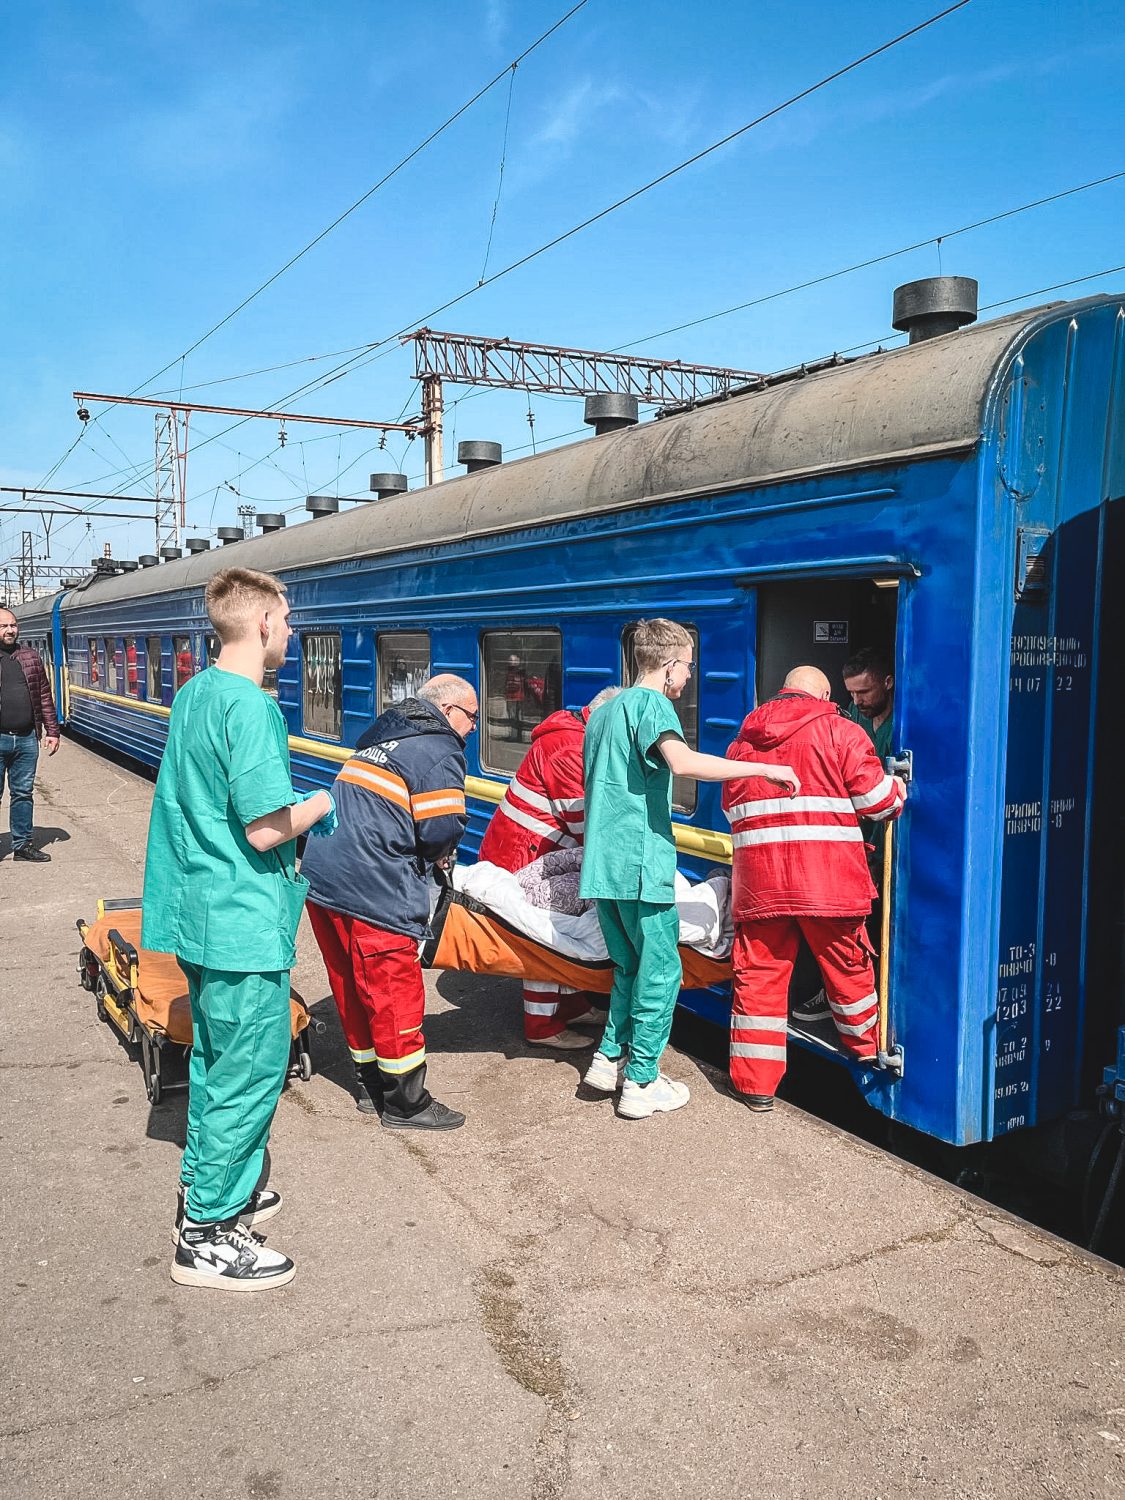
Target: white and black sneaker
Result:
[262, 1206]
[229, 1258]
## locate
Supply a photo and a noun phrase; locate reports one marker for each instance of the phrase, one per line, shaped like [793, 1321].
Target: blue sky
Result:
[160, 160]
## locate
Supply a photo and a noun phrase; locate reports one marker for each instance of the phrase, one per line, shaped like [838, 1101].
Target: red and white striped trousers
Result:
[763, 957]
[550, 1008]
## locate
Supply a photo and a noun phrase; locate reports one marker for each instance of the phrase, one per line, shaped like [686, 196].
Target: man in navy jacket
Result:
[400, 800]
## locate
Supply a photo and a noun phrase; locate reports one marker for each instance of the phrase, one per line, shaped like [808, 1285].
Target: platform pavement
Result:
[550, 1303]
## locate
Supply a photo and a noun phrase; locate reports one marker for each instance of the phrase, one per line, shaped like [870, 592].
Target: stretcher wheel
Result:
[85, 979]
[99, 988]
[150, 1062]
[304, 1066]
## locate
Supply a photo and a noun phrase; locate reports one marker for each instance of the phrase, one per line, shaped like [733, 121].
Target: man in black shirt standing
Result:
[26, 710]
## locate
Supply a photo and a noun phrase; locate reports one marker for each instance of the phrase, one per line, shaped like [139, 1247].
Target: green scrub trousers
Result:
[642, 938]
[239, 1058]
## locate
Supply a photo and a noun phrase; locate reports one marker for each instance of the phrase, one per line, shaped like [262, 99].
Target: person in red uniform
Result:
[800, 870]
[543, 809]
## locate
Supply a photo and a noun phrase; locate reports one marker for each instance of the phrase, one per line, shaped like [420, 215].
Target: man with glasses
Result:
[400, 800]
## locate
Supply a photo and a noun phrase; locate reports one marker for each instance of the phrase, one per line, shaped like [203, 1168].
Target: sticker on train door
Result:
[830, 632]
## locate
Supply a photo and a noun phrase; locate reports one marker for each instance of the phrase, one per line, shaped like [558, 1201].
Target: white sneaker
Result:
[639, 1100]
[564, 1041]
[603, 1073]
[229, 1258]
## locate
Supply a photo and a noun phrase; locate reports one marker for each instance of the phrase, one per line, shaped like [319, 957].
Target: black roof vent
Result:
[228, 534]
[608, 412]
[386, 485]
[479, 455]
[127, 565]
[148, 560]
[197, 544]
[71, 583]
[322, 505]
[271, 520]
[169, 554]
[937, 304]
[103, 565]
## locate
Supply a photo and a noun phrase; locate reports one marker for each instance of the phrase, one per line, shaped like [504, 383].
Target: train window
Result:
[92, 657]
[154, 680]
[183, 661]
[404, 665]
[132, 682]
[110, 664]
[521, 678]
[322, 696]
[685, 789]
[211, 642]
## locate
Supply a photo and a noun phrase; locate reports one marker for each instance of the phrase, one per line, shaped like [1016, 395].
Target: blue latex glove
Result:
[329, 822]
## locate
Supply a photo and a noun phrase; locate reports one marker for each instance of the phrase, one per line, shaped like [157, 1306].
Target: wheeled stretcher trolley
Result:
[145, 996]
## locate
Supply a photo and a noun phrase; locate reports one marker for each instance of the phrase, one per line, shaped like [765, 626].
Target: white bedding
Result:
[705, 921]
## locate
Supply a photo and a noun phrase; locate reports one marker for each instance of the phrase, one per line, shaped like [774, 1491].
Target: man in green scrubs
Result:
[221, 892]
[634, 745]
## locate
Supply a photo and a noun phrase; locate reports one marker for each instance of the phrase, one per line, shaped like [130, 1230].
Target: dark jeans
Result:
[19, 754]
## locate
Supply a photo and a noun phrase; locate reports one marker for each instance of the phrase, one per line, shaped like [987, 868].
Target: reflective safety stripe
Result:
[569, 805]
[854, 1008]
[366, 1054]
[525, 820]
[382, 783]
[770, 807]
[888, 812]
[861, 1030]
[775, 1052]
[757, 1023]
[540, 1008]
[876, 795]
[545, 987]
[402, 1064]
[437, 804]
[810, 833]
[525, 794]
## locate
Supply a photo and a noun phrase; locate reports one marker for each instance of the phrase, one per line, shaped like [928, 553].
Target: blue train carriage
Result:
[953, 501]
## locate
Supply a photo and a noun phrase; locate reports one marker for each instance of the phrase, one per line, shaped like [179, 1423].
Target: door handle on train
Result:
[901, 764]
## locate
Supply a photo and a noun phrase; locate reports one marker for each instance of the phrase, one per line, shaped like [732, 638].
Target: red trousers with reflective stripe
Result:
[376, 981]
[763, 958]
[549, 1008]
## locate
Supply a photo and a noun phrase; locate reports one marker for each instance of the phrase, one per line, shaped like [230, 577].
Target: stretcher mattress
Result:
[161, 999]
[483, 924]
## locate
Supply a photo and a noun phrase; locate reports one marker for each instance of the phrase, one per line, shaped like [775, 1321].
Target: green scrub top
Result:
[209, 897]
[874, 834]
[629, 853]
[880, 738]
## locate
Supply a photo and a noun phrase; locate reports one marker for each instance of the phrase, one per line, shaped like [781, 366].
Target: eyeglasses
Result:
[678, 661]
[472, 717]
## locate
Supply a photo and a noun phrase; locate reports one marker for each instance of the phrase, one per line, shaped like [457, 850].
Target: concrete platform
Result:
[549, 1303]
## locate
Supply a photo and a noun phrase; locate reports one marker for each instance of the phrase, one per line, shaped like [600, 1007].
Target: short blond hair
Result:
[235, 595]
[656, 642]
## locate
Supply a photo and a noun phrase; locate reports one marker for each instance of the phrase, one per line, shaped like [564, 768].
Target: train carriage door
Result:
[830, 623]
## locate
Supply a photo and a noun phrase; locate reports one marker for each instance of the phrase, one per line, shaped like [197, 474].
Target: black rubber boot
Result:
[368, 1089]
[408, 1104]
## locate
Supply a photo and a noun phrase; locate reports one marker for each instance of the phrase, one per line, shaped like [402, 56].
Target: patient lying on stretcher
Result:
[542, 901]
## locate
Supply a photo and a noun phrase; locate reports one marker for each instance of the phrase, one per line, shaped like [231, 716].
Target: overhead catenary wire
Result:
[383, 346]
[364, 197]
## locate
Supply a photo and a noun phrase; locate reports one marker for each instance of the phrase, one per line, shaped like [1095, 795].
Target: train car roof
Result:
[922, 399]
[35, 610]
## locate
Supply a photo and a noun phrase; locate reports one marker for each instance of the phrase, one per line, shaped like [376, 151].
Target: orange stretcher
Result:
[144, 994]
[470, 937]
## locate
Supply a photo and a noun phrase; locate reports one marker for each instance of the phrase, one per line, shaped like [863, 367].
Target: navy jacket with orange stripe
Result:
[400, 801]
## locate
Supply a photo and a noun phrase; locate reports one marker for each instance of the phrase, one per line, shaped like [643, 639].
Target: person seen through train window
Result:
[542, 809]
[515, 691]
[26, 711]
[221, 893]
[800, 871]
[634, 745]
[401, 800]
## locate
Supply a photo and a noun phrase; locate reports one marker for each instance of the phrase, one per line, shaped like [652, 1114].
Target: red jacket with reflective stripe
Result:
[544, 806]
[804, 855]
